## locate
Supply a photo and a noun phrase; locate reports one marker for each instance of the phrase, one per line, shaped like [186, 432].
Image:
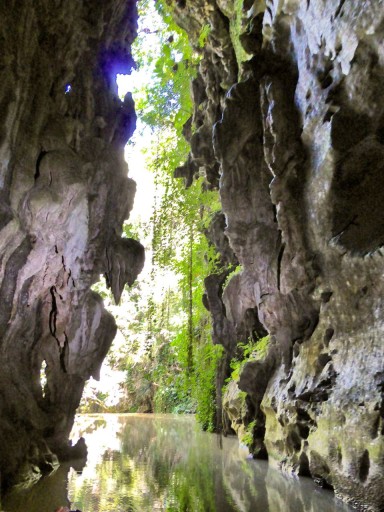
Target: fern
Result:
[204, 33]
[235, 272]
[252, 351]
[247, 437]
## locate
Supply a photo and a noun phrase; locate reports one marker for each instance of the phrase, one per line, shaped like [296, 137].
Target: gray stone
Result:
[64, 195]
[299, 142]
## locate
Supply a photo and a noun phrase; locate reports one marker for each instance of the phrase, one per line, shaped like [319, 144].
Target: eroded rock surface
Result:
[64, 194]
[290, 125]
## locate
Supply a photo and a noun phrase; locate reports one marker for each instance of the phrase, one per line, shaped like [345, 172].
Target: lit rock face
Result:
[64, 194]
[296, 145]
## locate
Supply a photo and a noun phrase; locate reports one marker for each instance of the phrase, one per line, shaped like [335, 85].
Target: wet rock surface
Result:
[64, 194]
[293, 138]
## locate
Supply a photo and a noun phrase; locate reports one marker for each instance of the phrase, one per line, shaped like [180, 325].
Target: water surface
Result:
[145, 463]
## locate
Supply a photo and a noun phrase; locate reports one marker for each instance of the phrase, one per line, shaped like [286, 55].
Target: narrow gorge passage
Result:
[270, 215]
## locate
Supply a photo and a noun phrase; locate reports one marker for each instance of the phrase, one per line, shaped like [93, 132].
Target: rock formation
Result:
[289, 122]
[64, 194]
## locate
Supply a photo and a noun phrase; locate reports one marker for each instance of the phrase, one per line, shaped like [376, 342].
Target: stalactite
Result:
[64, 196]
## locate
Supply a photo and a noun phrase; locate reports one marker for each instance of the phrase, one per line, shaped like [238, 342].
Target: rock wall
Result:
[289, 123]
[64, 194]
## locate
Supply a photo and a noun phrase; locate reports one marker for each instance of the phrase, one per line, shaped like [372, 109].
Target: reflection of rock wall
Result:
[152, 462]
[64, 194]
[296, 144]
[266, 488]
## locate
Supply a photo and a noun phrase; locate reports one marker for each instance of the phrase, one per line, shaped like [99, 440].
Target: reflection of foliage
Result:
[164, 463]
[161, 462]
[95, 425]
[192, 489]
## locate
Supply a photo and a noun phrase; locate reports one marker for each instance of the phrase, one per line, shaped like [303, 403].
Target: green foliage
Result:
[158, 465]
[234, 272]
[261, 347]
[204, 390]
[132, 231]
[101, 288]
[204, 33]
[247, 437]
[251, 351]
[171, 395]
[169, 359]
[184, 377]
[235, 30]
[166, 100]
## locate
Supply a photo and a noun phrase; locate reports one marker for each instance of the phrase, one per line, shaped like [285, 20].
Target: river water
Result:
[146, 463]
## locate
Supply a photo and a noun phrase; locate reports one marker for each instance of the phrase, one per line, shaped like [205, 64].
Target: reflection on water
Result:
[164, 463]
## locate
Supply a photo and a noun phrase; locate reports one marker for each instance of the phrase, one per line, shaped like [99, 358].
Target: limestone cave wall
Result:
[64, 194]
[289, 117]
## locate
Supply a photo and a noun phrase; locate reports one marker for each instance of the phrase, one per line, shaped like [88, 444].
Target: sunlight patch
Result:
[125, 84]
[43, 377]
